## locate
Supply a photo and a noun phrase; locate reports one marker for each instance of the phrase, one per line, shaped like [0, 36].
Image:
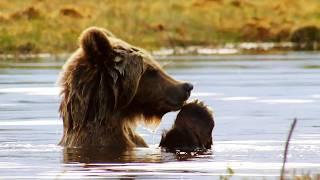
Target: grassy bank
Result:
[53, 26]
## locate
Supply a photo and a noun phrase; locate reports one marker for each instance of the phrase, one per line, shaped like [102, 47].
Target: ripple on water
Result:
[286, 101]
[46, 91]
[16, 147]
[30, 122]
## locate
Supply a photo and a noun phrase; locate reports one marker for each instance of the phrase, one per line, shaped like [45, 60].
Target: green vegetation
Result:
[53, 26]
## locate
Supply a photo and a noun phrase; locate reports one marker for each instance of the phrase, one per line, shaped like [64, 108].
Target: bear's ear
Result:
[96, 45]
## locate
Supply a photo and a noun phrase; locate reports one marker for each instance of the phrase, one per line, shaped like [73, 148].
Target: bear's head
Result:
[109, 78]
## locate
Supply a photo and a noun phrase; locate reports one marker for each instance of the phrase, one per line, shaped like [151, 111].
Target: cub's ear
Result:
[95, 44]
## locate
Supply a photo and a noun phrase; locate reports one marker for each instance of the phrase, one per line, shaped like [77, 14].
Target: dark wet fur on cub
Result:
[192, 129]
[107, 87]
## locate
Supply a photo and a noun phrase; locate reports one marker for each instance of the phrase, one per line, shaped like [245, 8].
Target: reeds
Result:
[286, 149]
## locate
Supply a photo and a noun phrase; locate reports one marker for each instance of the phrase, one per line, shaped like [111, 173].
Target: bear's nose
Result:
[187, 87]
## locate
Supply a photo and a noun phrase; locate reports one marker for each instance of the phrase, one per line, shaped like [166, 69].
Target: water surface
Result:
[254, 97]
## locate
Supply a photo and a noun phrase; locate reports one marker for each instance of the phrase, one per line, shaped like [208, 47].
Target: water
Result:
[254, 97]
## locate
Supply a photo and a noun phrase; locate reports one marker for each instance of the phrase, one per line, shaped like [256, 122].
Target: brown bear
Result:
[192, 129]
[108, 86]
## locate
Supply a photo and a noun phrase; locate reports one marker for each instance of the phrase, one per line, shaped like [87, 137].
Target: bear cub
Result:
[192, 129]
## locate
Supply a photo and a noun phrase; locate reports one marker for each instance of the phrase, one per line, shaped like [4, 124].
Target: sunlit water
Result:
[255, 99]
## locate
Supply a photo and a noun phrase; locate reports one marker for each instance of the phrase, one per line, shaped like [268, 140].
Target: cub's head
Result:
[198, 118]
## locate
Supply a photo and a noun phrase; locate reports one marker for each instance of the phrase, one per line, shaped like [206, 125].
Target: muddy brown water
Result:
[254, 97]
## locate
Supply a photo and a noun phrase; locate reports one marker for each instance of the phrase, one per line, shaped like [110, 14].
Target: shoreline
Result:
[244, 48]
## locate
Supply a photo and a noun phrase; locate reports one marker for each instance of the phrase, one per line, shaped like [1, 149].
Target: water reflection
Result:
[95, 155]
[108, 155]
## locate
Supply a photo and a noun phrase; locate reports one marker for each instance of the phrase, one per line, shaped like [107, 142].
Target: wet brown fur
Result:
[107, 87]
[192, 129]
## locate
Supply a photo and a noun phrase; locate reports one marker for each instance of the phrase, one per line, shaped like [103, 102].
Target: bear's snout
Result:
[187, 87]
[178, 94]
[185, 91]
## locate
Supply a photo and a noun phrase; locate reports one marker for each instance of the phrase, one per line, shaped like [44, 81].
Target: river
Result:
[254, 98]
